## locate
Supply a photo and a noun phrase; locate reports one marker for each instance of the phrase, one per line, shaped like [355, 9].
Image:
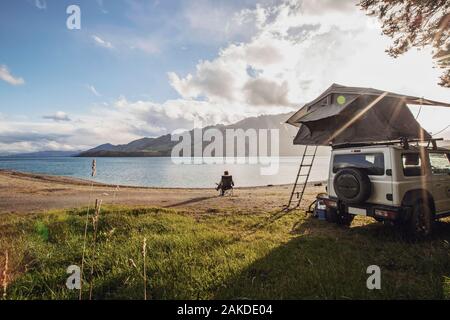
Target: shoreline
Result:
[88, 182]
[31, 193]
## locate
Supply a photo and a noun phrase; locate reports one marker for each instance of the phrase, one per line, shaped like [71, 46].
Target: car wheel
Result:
[399, 224]
[334, 216]
[421, 222]
[345, 219]
[331, 215]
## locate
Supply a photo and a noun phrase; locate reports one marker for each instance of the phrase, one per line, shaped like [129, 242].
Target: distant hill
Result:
[162, 146]
[42, 154]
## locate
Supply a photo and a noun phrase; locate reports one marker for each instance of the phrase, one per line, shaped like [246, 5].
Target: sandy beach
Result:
[31, 193]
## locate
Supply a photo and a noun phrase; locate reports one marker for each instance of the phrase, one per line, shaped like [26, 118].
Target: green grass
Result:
[219, 256]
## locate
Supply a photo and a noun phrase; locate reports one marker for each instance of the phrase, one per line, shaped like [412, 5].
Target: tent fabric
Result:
[350, 115]
[337, 90]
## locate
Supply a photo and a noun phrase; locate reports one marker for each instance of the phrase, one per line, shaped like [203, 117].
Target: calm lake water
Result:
[162, 172]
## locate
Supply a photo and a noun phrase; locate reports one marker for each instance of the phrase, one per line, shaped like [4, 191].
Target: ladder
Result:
[306, 162]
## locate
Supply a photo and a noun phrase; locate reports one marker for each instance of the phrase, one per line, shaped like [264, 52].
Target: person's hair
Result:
[225, 173]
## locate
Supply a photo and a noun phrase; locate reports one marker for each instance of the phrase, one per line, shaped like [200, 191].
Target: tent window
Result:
[325, 102]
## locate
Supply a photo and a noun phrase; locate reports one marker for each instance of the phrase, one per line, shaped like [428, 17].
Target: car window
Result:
[412, 165]
[373, 163]
[440, 163]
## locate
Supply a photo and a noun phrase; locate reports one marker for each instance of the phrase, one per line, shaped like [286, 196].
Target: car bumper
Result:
[380, 212]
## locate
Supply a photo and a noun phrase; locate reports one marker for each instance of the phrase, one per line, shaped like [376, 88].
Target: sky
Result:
[146, 68]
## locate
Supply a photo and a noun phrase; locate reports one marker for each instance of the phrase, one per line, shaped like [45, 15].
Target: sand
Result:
[33, 193]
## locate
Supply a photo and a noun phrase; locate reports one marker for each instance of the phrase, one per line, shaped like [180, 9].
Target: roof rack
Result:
[404, 142]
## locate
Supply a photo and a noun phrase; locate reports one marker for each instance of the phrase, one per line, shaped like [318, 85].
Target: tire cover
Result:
[352, 185]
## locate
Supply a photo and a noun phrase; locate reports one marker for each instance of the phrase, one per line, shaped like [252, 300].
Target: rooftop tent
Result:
[350, 114]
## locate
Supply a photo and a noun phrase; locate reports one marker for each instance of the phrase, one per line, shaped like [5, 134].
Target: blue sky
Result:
[59, 64]
[145, 68]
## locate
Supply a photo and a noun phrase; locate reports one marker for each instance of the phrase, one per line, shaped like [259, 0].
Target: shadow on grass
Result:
[190, 201]
[274, 217]
[208, 258]
[325, 261]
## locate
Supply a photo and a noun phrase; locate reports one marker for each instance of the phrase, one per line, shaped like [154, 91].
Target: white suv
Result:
[407, 185]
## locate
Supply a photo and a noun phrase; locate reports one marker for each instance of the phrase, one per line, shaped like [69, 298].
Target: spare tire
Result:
[352, 185]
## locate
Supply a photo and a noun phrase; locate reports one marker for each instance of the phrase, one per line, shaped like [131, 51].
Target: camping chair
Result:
[226, 186]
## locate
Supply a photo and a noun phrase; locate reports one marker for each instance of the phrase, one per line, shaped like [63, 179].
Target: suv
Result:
[406, 185]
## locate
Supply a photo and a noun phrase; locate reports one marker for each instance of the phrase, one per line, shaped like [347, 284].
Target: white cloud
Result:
[102, 43]
[146, 45]
[126, 40]
[299, 49]
[118, 123]
[5, 75]
[293, 52]
[40, 4]
[58, 116]
[208, 21]
[318, 7]
[102, 6]
[93, 90]
[266, 92]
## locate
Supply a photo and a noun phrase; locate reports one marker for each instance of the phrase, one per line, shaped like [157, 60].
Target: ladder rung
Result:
[299, 194]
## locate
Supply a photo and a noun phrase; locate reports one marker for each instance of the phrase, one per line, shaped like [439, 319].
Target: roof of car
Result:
[394, 146]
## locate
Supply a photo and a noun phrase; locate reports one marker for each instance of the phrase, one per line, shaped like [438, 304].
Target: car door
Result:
[440, 171]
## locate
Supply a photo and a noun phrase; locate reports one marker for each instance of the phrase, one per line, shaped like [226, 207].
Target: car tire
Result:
[399, 224]
[377, 219]
[352, 185]
[331, 215]
[345, 219]
[334, 216]
[421, 223]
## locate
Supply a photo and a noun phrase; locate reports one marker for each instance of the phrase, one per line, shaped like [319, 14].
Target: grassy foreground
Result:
[218, 255]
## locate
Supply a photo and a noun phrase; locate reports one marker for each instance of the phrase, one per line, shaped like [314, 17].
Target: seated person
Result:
[226, 183]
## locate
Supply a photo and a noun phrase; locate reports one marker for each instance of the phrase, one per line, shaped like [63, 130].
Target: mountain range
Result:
[162, 146]
[43, 154]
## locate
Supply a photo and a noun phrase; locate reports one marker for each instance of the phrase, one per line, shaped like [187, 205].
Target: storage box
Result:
[320, 210]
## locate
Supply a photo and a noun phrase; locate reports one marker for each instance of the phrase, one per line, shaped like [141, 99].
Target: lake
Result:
[162, 172]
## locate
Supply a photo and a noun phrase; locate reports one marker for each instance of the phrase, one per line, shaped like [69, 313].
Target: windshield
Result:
[440, 163]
